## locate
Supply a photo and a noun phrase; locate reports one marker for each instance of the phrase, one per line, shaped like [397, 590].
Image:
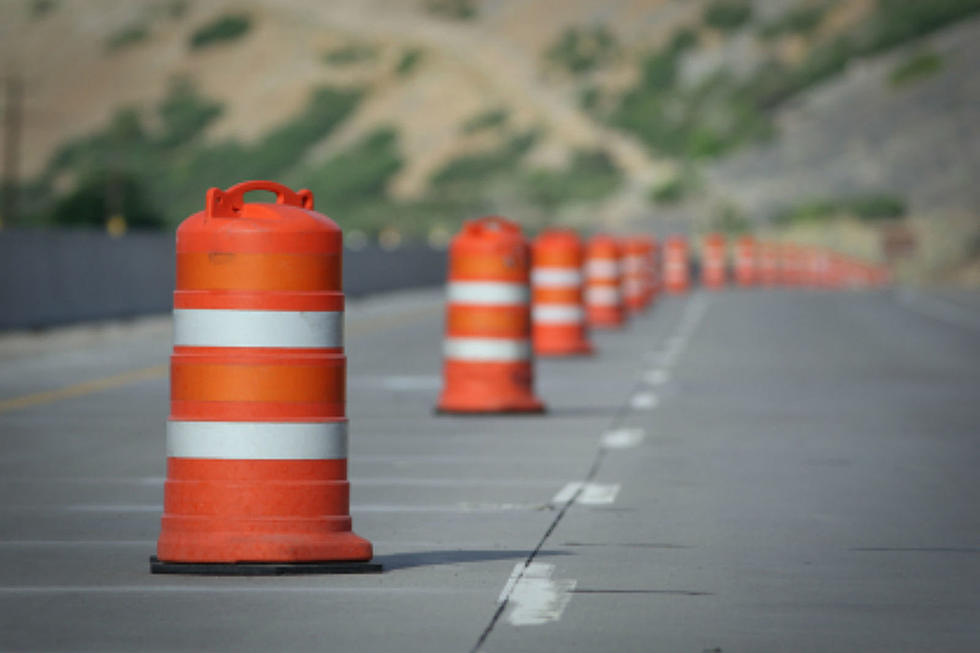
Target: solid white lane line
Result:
[622, 438]
[592, 494]
[534, 597]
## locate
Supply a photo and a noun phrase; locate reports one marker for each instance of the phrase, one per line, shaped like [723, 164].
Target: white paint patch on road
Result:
[644, 401]
[586, 494]
[534, 596]
[622, 438]
[656, 376]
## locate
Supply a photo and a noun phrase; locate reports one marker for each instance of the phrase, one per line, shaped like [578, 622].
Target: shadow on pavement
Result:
[431, 558]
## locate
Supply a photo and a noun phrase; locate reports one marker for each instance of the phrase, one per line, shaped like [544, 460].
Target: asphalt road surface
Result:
[736, 471]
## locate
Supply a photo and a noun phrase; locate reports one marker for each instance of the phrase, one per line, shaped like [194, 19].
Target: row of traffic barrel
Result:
[257, 435]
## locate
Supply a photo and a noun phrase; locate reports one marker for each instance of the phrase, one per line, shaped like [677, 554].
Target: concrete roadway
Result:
[737, 471]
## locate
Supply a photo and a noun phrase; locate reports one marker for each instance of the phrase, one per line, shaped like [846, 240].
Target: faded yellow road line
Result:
[83, 388]
[159, 371]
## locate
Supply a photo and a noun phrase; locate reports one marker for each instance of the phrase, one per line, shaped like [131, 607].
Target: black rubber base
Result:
[489, 413]
[262, 568]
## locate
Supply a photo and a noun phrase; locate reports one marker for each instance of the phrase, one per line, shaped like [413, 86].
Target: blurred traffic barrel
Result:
[636, 272]
[677, 265]
[603, 283]
[488, 364]
[746, 261]
[557, 298]
[713, 261]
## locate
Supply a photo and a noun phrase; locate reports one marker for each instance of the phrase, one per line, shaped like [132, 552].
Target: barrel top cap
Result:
[230, 224]
[488, 233]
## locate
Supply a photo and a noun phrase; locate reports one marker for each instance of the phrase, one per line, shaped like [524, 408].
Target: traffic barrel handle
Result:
[229, 203]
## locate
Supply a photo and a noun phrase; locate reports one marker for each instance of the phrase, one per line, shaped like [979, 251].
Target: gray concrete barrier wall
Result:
[48, 278]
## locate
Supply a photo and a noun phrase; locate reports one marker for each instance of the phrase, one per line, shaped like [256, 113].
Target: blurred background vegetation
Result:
[411, 116]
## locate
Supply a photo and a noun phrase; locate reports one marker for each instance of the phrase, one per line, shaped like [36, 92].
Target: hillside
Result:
[408, 116]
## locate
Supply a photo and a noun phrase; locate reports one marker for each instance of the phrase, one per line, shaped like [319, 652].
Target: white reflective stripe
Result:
[200, 327]
[602, 296]
[486, 349]
[257, 440]
[558, 314]
[602, 268]
[558, 277]
[487, 292]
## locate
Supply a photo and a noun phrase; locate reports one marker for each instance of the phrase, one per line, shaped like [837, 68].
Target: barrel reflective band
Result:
[602, 295]
[556, 277]
[604, 269]
[201, 327]
[487, 292]
[558, 314]
[257, 440]
[487, 349]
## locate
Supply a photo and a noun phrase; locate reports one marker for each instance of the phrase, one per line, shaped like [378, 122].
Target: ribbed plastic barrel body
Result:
[257, 435]
[713, 261]
[488, 365]
[769, 263]
[558, 305]
[603, 283]
[677, 273]
[636, 273]
[746, 261]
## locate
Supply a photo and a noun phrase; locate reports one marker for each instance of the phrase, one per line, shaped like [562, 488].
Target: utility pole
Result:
[12, 123]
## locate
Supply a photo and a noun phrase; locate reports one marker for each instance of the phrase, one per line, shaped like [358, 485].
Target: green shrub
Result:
[669, 192]
[727, 15]
[477, 169]
[409, 61]
[898, 21]
[103, 195]
[871, 207]
[184, 114]
[489, 119]
[580, 50]
[357, 176]
[220, 30]
[801, 20]
[591, 176]
[919, 65]
[350, 54]
[455, 9]
[126, 37]
[40, 8]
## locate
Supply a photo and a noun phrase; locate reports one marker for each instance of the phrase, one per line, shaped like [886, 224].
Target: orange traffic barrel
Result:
[677, 274]
[257, 435]
[557, 299]
[488, 366]
[713, 263]
[769, 263]
[603, 283]
[636, 272]
[746, 261]
[654, 267]
[791, 264]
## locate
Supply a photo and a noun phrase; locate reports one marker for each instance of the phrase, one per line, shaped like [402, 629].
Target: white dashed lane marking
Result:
[534, 597]
[593, 494]
[622, 438]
